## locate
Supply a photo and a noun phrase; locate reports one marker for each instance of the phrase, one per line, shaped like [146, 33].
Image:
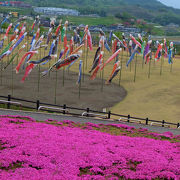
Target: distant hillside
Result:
[151, 10]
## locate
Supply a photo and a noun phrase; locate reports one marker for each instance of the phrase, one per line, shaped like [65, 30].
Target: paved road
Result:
[44, 116]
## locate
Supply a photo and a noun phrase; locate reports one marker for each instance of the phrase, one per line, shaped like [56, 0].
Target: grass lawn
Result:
[156, 97]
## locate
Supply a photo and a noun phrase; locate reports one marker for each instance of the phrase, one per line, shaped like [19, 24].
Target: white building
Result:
[56, 11]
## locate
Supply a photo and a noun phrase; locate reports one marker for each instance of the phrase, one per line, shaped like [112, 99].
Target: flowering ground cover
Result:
[67, 150]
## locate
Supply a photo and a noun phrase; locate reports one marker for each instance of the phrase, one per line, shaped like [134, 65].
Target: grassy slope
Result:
[157, 97]
[92, 20]
[151, 10]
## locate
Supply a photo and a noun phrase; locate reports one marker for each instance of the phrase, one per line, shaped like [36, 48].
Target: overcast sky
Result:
[173, 3]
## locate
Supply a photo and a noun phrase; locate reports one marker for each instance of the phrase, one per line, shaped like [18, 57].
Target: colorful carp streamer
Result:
[28, 70]
[12, 58]
[96, 61]
[135, 41]
[114, 69]
[111, 58]
[110, 36]
[46, 58]
[80, 72]
[124, 41]
[60, 63]
[19, 41]
[132, 56]
[66, 61]
[170, 61]
[58, 28]
[119, 40]
[158, 52]
[89, 38]
[165, 48]
[5, 19]
[31, 53]
[93, 76]
[146, 50]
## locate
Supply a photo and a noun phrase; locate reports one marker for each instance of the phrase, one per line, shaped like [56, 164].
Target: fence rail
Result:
[64, 109]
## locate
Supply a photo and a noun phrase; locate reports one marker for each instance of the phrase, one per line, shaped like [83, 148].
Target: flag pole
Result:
[55, 88]
[149, 73]
[162, 60]
[120, 74]
[135, 69]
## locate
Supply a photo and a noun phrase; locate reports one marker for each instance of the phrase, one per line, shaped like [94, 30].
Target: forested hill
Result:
[150, 10]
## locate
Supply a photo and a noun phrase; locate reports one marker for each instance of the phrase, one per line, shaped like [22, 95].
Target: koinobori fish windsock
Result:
[31, 53]
[46, 58]
[96, 61]
[135, 41]
[113, 75]
[157, 56]
[112, 57]
[93, 76]
[118, 40]
[80, 71]
[28, 70]
[110, 36]
[60, 63]
[77, 49]
[7, 30]
[165, 48]
[170, 61]
[89, 39]
[67, 61]
[132, 56]
[58, 28]
[19, 41]
[13, 57]
[146, 50]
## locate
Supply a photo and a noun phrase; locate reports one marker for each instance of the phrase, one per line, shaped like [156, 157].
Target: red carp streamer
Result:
[31, 53]
[28, 71]
[111, 58]
[93, 76]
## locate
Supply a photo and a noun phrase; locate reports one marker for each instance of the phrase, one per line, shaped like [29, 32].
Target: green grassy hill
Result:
[151, 10]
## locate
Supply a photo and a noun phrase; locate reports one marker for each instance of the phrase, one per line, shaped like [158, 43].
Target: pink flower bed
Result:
[40, 151]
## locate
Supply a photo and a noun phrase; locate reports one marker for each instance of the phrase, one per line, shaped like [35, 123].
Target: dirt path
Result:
[91, 94]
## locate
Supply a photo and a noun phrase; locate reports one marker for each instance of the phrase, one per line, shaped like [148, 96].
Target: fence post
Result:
[147, 121]
[163, 123]
[109, 115]
[178, 125]
[64, 107]
[128, 117]
[87, 112]
[9, 99]
[37, 104]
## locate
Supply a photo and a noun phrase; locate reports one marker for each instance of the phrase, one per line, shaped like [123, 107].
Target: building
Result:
[56, 11]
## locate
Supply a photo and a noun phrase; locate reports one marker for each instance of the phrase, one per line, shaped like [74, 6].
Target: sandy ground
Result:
[91, 93]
